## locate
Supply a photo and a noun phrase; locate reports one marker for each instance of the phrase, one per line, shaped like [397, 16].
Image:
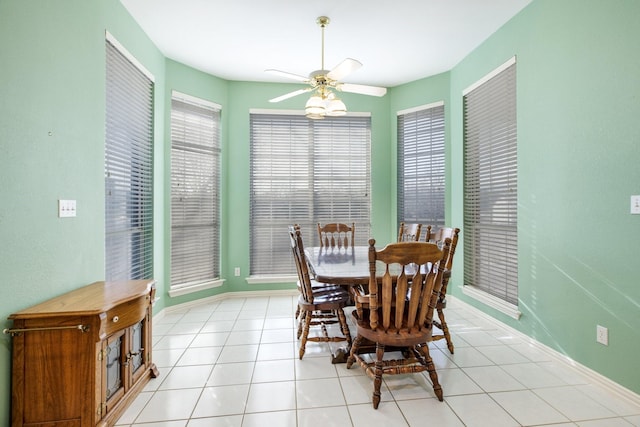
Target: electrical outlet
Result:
[237, 271]
[602, 335]
[635, 205]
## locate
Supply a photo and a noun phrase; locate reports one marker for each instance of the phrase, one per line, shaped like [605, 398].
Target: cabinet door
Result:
[137, 350]
[51, 373]
[114, 360]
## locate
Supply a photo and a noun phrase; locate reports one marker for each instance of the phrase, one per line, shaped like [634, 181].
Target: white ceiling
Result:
[396, 41]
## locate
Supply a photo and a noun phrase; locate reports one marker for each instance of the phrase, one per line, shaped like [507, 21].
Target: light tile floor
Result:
[234, 363]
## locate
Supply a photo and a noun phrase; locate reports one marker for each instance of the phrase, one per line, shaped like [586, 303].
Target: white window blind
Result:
[128, 170]
[490, 186]
[421, 165]
[195, 198]
[304, 172]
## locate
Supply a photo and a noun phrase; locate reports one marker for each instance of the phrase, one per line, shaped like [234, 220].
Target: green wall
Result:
[578, 88]
[578, 103]
[52, 109]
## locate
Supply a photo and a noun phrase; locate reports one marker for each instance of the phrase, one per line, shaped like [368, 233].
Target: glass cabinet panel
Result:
[114, 365]
[137, 346]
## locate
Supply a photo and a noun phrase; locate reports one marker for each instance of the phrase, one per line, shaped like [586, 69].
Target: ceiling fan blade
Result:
[288, 75]
[362, 89]
[343, 69]
[290, 95]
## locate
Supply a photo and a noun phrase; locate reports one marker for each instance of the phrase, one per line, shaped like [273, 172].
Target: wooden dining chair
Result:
[439, 236]
[399, 311]
[336, 235]
[318, 287]
[409, 232]
[319, 306]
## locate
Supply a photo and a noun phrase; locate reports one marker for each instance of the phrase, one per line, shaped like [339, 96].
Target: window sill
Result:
[491, 301]
[191, 288]
[265, 280]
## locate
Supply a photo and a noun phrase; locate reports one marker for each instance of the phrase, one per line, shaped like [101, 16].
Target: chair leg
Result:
[305, 331]
[301, 318]
[377, 381]
[431, 368]
[445, 330]
[355, 347]
[344, 325]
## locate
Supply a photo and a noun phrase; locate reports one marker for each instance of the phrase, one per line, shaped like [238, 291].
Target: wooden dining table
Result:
[342, 266]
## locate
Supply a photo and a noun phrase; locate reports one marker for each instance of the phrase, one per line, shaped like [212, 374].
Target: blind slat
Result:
[490, 188]
[128, 170]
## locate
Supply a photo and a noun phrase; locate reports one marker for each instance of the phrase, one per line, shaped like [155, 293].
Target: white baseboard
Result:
[593, 376]
[221, 297]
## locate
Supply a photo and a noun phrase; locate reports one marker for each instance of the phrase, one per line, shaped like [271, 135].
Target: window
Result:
[304, 172]
[421, 168]
[128, 168]
[491, 184]
[195, 199]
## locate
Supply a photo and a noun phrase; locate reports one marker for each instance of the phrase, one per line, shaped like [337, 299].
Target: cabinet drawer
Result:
[126, 314]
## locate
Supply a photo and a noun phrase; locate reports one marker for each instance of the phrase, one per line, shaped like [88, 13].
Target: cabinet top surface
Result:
[92, 299]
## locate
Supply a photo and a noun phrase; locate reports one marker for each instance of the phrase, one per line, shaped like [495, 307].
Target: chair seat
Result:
[319, 286]
[315, 285]
[325, 300]
[403, 337]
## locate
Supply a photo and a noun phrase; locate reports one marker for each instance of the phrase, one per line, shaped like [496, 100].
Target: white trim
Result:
[300, 112]
[420, 108]
[185, 289]
[280, 112]
[194, 100]
[491, 301]
[490, 75]
[111, 39]
[264, 280]
[224, 296]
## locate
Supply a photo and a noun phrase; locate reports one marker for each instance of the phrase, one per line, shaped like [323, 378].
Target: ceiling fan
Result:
[322, 82]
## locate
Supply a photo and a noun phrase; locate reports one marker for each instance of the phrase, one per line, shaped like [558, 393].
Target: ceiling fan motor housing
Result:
[319, 78]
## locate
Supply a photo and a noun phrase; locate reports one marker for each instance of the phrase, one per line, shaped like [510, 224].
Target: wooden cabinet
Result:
[81, 358]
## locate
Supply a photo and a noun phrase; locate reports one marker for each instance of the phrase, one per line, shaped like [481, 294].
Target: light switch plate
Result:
[635, 204]
[66, 208]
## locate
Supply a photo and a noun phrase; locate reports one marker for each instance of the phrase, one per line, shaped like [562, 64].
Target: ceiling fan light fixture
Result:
[335, 107]
[315, 106]
[324, 103]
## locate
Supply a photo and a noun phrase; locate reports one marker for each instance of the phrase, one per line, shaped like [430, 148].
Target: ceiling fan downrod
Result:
[323, 21]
